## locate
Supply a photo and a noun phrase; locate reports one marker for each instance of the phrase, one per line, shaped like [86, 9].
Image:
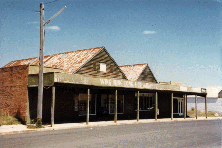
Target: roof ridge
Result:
[133, 65]
[75, 51]
[54, 54]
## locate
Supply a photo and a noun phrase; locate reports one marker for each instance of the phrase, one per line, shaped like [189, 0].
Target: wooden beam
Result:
[185, 96]
[115, 116]
[87, 113]
[138, 105]
[156, 97]
[206, 106]
[52, 106]
[196, 105]
[28, 120]
[171, 106]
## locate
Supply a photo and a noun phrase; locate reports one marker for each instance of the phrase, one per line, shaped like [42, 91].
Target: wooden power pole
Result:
[41, 57]
[41, 63]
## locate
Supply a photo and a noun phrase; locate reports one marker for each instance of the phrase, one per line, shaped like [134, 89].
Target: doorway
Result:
[178, 106]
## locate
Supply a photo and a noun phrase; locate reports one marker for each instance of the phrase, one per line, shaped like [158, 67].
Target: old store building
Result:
[88, 84]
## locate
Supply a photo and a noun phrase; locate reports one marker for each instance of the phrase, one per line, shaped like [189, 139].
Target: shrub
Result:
[8, 120]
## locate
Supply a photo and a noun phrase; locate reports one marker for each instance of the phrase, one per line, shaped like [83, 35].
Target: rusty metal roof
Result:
[69, 61]
[133, 72]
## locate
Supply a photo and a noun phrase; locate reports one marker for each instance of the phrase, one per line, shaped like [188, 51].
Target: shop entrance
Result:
[106, 104]
[102, 105]
[178, 104]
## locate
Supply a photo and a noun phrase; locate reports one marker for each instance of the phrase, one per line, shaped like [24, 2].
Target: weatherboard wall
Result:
[92, 68]
[147, 76]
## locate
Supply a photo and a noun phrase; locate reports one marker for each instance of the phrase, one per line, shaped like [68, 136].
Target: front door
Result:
[102, 105]
[178, 106]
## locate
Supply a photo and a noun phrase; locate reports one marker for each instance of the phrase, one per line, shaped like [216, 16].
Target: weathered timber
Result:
[196, 105]
[48, 79]
[115, 116]
[138, 105]
[52, 106]
[156, 97]
[87, 114]
[34, 69]
[171, 106]
[185, 96]
[41, 59]
[206, 106]
[147, 75]
[28, 120]
[51, 78]
[101, 57]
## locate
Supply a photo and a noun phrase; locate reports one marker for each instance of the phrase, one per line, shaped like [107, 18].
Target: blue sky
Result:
[180, 40]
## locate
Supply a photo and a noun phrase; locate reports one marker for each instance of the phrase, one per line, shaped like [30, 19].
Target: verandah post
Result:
[156, 97]
[196, 105]
[171, 106]
[206, 106]
[138, 105]
[87, 114]
[185, 102]
[53, 106]
[115, 116]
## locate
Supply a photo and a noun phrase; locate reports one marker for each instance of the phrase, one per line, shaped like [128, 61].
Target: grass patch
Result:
[201, 113]
[34, 124]
[8, 120]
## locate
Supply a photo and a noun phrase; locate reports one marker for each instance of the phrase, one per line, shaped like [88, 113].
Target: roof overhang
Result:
[51, 79]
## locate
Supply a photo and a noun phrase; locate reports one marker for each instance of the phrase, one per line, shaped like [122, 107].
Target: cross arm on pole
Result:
[55, 15]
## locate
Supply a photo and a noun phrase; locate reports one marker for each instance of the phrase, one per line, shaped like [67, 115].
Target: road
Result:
[207, 133]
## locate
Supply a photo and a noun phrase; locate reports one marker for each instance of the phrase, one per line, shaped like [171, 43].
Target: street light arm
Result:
[55, 15]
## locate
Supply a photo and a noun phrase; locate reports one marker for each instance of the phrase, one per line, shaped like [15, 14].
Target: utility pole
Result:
[41, 63]
[41, 58]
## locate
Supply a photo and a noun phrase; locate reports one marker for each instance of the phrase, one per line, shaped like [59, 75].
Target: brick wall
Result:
[13, 90]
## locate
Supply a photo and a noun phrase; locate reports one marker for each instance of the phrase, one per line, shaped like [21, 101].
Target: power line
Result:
[51, 2]
[15, 4]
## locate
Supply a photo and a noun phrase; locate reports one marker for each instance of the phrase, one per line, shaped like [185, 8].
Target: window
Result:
[83, 104]
[120, 104]
[146, 101]
[103, 67]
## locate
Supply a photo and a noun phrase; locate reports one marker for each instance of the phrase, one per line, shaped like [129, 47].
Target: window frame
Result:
[90, 97]
[114, 103]
[145, 97]
[102, 67]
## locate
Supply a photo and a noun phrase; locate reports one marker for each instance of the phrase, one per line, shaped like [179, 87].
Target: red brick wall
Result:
[13, 90]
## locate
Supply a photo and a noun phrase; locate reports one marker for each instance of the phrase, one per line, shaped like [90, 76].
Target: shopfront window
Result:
[104, 103]
[120, 104]
[83, 104]
[146, 101]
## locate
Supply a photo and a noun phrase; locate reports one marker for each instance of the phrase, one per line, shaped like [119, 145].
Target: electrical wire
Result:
[50, 2]
[15, 4]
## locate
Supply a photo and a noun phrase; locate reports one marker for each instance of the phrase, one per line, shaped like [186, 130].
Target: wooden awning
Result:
[50, 79]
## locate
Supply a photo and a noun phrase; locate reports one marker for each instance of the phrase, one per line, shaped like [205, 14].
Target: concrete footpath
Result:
[15, 129]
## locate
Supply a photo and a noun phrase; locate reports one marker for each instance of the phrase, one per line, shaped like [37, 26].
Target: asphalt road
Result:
[159, 134]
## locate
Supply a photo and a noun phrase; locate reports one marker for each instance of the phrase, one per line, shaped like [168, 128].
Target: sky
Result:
[180, 40]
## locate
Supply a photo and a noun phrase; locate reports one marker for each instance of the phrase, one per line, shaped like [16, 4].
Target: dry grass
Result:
[201, 113]
[35, 125]
[8, 120]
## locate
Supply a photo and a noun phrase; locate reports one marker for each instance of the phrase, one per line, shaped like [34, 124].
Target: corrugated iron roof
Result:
[132, 72]
[69, 61]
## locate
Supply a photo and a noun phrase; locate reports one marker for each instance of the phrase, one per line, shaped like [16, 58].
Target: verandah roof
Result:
[51, 78]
